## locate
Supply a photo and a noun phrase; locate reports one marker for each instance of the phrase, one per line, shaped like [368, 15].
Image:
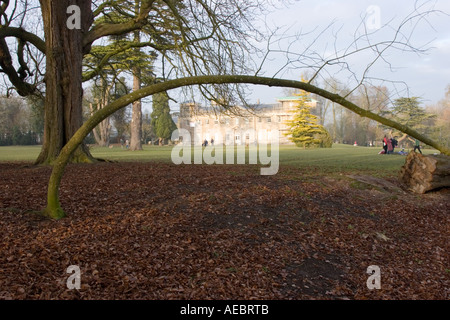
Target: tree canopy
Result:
[409, 112]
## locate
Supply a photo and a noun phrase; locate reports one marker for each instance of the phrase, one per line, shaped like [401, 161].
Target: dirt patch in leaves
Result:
[160, 231]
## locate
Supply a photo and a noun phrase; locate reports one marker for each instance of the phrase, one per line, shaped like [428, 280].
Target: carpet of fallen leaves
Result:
[161, 231]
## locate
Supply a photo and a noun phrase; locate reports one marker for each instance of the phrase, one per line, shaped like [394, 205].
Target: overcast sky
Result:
[426, 75]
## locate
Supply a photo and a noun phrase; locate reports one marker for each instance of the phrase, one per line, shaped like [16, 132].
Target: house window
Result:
[246, 120]
[216, 121]
[207, 121]
[279, 118]
[269, 119]
[259, 120]
[227, 121]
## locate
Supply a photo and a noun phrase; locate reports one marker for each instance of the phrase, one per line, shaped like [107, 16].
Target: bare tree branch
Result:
[23, 35]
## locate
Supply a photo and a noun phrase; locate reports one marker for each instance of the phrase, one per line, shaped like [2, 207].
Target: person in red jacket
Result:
[385, 146]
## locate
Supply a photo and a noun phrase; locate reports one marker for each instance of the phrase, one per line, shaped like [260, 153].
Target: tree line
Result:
[347, 127]
[21, 122]
[329, 122]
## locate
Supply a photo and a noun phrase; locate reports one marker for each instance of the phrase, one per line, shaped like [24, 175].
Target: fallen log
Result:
[425, 173]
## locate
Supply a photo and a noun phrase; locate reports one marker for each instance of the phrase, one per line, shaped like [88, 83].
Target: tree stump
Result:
[425, 173]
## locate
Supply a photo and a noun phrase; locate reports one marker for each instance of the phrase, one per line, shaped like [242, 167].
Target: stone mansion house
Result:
[243, 127]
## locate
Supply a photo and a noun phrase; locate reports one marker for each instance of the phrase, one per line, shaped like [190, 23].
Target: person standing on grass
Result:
[417, 146]
[385, 146]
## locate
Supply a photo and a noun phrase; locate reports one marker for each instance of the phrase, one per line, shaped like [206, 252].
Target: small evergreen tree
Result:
[162, 121]
[305, 131]
[165, 126]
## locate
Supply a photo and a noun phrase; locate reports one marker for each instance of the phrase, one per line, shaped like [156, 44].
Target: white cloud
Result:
[442, 45]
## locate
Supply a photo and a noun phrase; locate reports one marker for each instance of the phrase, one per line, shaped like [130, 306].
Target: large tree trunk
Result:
[136, 117]
[102, 132]
[104, 129]
[63, 101]
[425, 173]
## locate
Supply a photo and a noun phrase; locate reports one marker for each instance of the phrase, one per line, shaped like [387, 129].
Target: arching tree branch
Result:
[54, 209]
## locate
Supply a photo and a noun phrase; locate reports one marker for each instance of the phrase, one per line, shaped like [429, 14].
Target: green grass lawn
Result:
[340, 158]
[19, 153]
